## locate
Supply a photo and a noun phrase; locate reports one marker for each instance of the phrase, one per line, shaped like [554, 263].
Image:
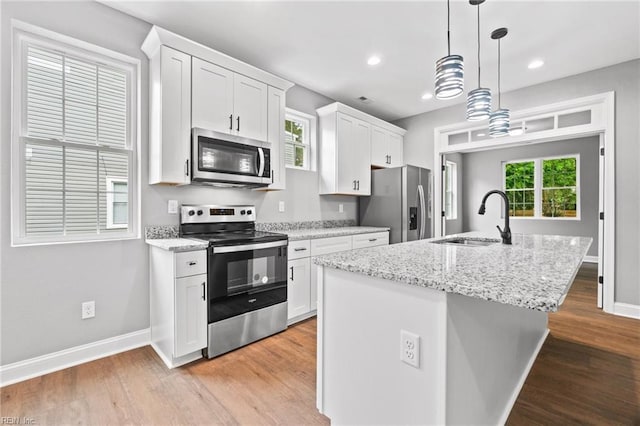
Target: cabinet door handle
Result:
[291, 267]
[300, 249]
[358, 185]
[231, 122]
[354, 184]
[271, 175]
[192, 263]
[373, 239]
[186, 167]
[390, 160]
[203, 291]
[238, 120]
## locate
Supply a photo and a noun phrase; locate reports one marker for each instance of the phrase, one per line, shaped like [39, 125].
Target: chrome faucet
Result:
[506, 232]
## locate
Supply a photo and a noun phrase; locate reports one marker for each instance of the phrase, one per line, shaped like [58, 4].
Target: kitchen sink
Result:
[467, 241]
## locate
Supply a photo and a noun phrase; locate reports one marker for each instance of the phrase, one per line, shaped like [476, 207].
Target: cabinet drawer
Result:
[299, 249]
[330, 245]
[370, 240]
[191, 263]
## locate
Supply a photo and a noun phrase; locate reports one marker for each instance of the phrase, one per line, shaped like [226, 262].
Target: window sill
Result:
[304, 169]
[543, 218]
[31, 243]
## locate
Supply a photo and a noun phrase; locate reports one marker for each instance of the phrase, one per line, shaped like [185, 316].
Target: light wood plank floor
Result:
[588, 372]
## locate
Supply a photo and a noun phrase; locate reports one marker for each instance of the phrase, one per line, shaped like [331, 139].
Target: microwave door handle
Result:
[260, 162]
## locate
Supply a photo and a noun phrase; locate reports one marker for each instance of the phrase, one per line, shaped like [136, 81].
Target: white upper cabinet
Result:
[350, 143]
[212, 89]
[275, 135]
[345, 152]
[195, 86]
[386, 148]
[228, 102]
[250, 107]
[170, 101]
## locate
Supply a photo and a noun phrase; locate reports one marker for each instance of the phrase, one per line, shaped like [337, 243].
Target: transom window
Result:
[299, 133]
[75, 144]
[544, 187]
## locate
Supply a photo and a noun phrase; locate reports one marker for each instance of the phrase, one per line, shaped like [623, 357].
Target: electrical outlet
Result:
[281, 206]
[410, 348]
[341, 208]
[172, 207]
[88, 309]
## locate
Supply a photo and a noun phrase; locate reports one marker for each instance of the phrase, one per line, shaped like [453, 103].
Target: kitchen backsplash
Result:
[311, 224]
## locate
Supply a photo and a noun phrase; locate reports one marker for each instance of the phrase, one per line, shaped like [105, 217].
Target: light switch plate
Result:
[172, 207]
[281, 206]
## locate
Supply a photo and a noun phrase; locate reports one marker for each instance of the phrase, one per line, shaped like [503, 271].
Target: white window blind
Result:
[76, 153]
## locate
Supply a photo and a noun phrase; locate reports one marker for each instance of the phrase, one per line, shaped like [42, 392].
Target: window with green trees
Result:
[544, 187]
[299, 139]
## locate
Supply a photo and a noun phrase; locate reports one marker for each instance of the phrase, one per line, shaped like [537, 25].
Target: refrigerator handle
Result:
[422, 211]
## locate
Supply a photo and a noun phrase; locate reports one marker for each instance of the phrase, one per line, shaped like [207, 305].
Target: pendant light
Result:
[499, 119]
[449, 70]
[478, 100]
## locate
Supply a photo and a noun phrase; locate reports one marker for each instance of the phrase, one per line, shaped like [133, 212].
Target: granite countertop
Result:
[178, 244]
[306, 234]
[535, 272]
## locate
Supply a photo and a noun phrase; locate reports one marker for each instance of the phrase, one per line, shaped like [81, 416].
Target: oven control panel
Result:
[190, 213]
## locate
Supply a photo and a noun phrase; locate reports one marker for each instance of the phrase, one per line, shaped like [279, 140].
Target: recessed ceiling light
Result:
[536, 63]
[427, 96]
[373, 60]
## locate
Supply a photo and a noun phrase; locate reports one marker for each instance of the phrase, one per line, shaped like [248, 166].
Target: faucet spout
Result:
[506, 232]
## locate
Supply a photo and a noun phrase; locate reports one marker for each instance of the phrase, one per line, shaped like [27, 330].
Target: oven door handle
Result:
[260, 162]
[247, 247]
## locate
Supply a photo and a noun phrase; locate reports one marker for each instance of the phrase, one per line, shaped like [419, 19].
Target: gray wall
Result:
[624, 79]
[42, 287]
[483, 172]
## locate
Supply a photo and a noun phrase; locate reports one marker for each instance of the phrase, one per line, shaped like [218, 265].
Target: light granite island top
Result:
[178, 244]
[424, 333]
[534, 272]
[313, 233]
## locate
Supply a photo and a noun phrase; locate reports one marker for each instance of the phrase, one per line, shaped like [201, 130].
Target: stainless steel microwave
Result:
[222, 159]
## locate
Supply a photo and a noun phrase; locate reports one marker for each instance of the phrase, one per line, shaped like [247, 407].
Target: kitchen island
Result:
[479, 314]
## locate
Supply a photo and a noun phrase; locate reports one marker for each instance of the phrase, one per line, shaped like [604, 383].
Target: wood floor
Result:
[588, 372]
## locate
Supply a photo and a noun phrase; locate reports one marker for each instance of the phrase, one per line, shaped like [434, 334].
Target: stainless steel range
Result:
[246, 274]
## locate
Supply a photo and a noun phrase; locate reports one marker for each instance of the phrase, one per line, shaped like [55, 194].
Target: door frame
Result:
[602, 124]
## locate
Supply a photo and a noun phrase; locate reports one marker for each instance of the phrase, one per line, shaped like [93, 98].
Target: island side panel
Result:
[490, 349]
[361, 379]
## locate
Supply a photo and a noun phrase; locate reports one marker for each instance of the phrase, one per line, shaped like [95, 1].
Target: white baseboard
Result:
[38, 366]
[523, 378]
[626, 310]
[590, 259]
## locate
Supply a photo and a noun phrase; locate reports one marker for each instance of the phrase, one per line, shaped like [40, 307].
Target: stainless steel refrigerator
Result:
[400, 199]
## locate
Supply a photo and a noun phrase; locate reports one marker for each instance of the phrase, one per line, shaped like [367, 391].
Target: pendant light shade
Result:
[449, 77]
[499, 120]
[449, 70]
[478, 100]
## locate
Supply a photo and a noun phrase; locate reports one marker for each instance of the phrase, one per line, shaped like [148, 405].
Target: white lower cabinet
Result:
[302, 289]
[191, 314]
[298, 287]
[178, 305]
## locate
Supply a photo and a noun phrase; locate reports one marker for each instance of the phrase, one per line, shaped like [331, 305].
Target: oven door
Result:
[220, 157]
[246, 278]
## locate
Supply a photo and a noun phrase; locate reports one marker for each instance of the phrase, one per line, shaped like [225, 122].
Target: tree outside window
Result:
[544, 187]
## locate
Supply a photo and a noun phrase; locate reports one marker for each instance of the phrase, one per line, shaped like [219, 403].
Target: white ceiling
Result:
[325, 45]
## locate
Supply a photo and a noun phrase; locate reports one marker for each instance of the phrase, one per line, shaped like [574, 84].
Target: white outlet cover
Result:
[88, 309]
[341, 208]
[281, 206]
[410, 348]
[172, 207]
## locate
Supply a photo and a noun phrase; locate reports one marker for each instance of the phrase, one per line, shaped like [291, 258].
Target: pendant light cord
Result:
[448, 29]
[478, 45]
[499, 105]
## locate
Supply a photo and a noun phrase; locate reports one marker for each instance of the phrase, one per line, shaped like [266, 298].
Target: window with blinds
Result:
[76, 154]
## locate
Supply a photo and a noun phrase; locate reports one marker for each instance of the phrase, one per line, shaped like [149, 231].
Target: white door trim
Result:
[602, 107]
